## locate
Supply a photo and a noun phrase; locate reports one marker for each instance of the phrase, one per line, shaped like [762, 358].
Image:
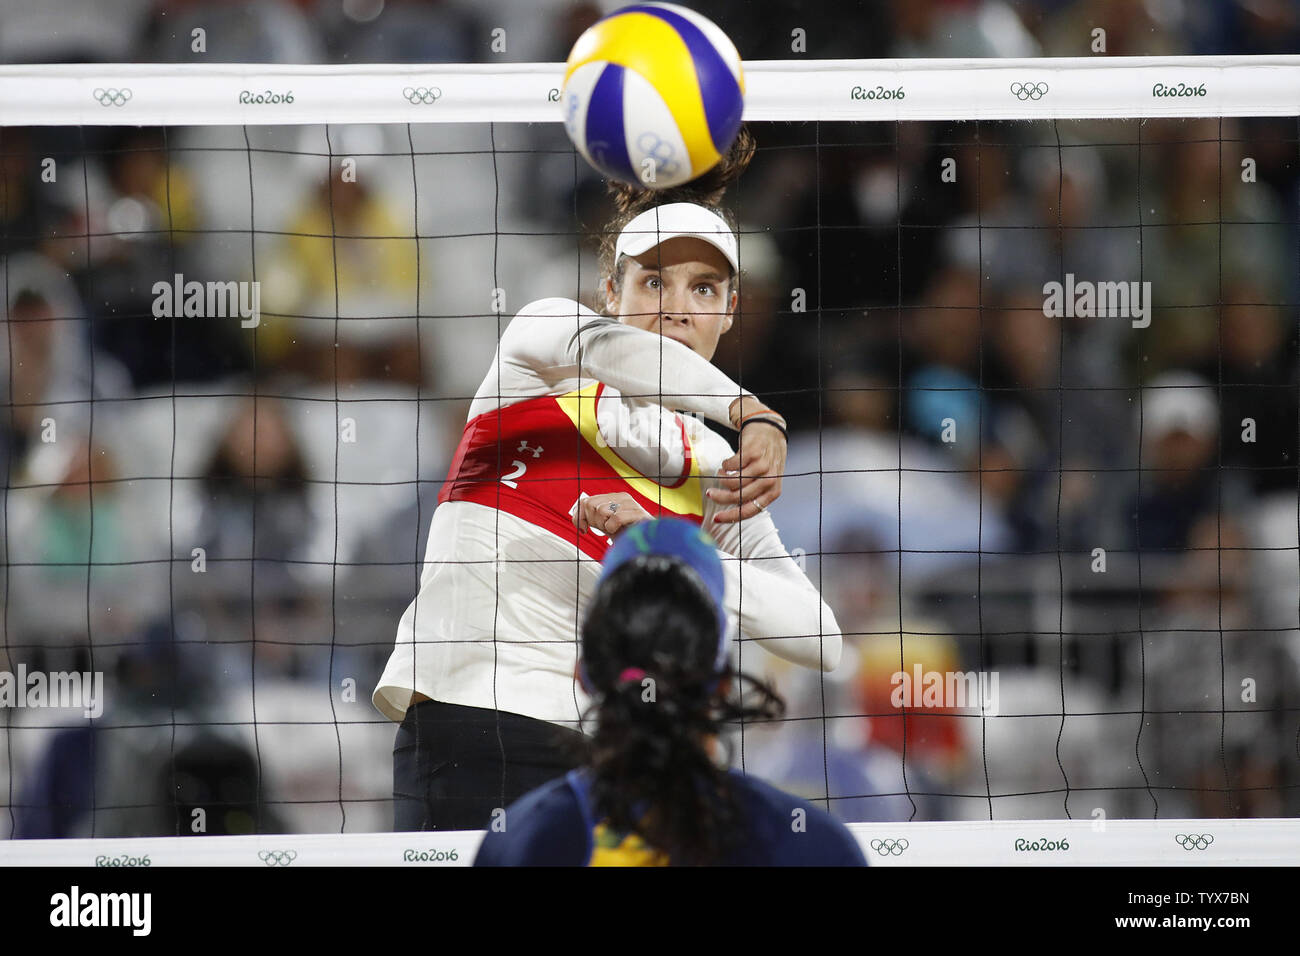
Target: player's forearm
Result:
[558, 338]
[785, 617]
[816, 651]
[647, 365]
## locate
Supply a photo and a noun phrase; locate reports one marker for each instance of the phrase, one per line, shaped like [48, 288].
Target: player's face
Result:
[678, 289]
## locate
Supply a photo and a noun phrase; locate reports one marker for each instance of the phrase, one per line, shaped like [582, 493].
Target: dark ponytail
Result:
[706, 190]
[649, 651]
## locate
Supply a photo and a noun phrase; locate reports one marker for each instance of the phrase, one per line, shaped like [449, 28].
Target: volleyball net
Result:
[1033, 324]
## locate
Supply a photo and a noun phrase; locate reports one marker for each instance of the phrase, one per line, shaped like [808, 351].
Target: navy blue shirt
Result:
[554, 825]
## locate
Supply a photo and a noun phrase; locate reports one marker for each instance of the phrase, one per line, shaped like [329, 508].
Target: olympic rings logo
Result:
[1194, 841]
[659, 150]
[1028, 91]
[277, 857]
[422, 94]
[112, 96]
[889, 847]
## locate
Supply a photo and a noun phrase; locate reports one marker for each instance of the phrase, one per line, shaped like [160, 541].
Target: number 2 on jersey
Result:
[519, 469]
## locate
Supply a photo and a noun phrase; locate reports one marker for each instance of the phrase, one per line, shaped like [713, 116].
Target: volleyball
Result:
[653, 94]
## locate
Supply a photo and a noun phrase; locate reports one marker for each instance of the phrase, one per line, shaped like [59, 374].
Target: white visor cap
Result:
[1178, 402]
[671, 221]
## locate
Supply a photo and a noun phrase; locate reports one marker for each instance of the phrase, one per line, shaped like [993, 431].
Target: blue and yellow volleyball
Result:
[653, 94]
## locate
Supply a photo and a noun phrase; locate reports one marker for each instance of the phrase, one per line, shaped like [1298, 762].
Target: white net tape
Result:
[864, 90]
[989, 843]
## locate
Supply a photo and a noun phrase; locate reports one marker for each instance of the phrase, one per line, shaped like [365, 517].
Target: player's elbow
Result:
[822, 645]
[536, 336]
[832, 639]
[832, 649]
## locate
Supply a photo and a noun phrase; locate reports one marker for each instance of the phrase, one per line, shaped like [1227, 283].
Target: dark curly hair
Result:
[650, 755]
[706, 190]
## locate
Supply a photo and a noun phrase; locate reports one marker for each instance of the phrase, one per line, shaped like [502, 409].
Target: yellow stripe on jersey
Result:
[686, 499]
[612, 849]
[655, 50]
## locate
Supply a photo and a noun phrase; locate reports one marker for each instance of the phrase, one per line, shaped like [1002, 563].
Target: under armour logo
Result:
[537, 452]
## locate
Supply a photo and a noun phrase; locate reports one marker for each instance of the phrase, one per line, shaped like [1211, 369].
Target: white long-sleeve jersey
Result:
[577, 404]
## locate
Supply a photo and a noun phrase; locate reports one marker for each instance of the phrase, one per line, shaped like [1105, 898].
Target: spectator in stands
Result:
[944, 330]
[27, 210]
[150, 761]
[75, 536]
[346, 276]
[1218, 693]
[935, 28]
[1179, 479]
[144, 217]
[1243, 27]
[1256, 366]
[919, 494]
[927, 748]
[235, 31]
[1130, 29]
[255, 503]
[406, 31]
[1078, 426]
[45, 359]
[850, 287]
[1206, 229]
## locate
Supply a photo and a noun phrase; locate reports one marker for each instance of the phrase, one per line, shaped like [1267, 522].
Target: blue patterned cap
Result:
[676, 538]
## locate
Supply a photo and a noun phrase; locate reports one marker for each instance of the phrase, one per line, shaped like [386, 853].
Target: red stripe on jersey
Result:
[535, 458]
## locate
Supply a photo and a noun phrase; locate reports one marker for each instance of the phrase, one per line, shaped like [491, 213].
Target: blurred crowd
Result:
[228, 519]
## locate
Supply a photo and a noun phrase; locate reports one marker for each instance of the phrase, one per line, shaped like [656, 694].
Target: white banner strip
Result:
[998, 843]
[256, 94]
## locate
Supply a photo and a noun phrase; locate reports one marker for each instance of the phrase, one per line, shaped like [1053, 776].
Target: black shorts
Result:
[454, 765]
